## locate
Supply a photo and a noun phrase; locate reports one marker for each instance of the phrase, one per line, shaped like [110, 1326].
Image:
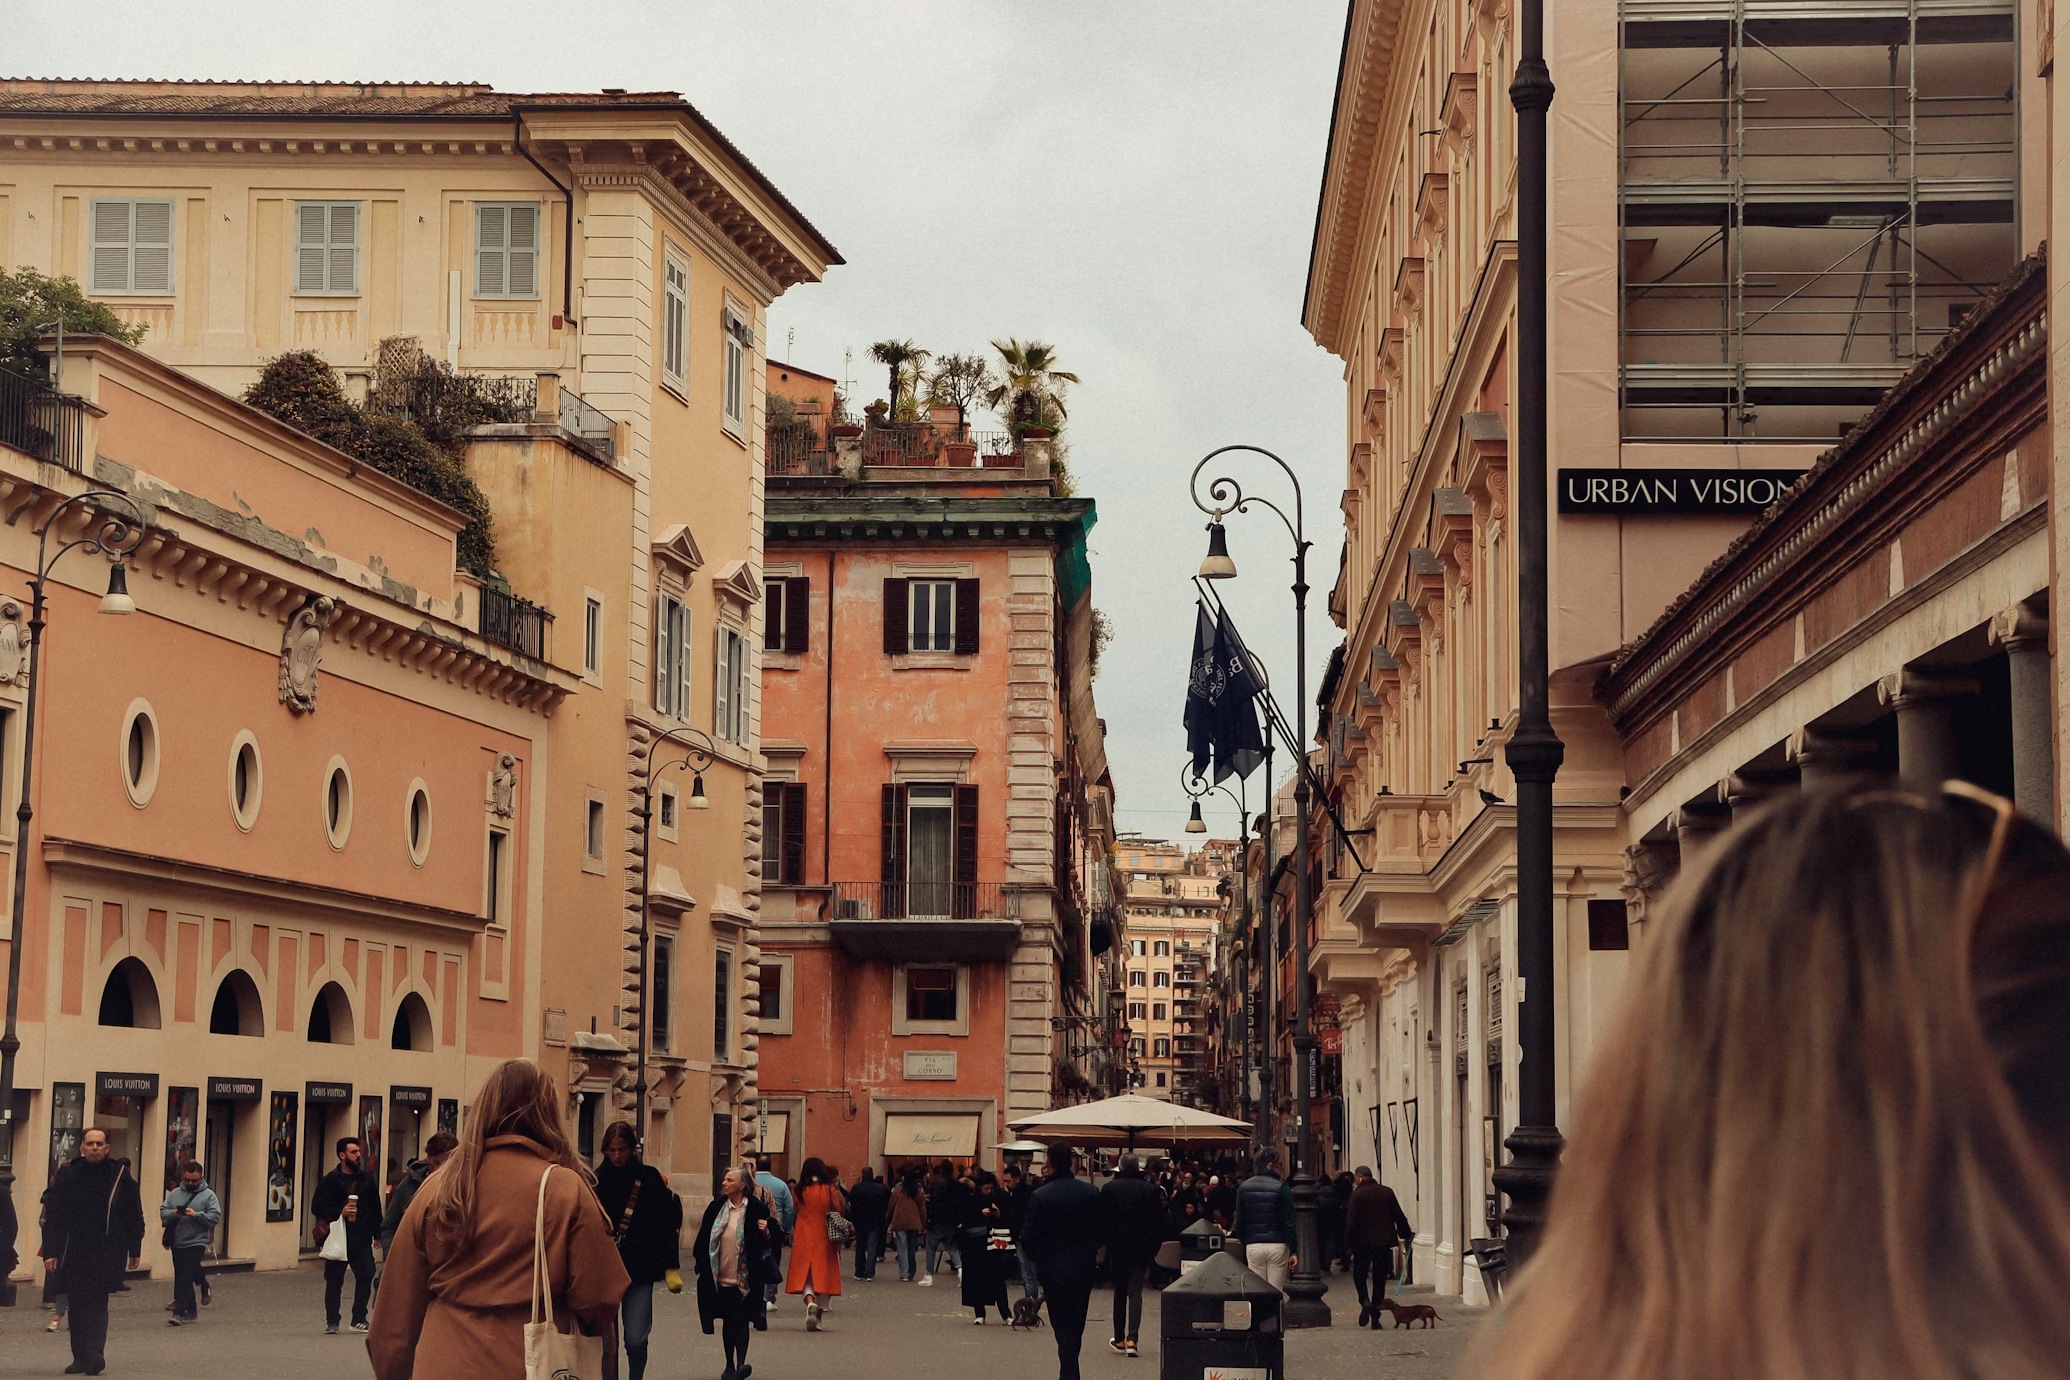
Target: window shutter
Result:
[490, 238]
[898, 616]
[892, 905]
[663, 701]
[722, 693]
[797, 614]
[964, 902]
[152, 251]
[312, 238]
[776, 598]
[679, 670]
[111, 246]
[524, 252]
[344, 248]
[966, 617]
[793, 864]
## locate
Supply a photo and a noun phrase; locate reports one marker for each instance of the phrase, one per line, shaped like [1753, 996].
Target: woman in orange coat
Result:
[815, 1262]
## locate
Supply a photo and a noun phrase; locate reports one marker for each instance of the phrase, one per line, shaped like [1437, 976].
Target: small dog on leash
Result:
[1408, 1314]
[1027, 1312]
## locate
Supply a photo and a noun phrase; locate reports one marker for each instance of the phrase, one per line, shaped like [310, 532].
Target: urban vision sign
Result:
[1620, 492]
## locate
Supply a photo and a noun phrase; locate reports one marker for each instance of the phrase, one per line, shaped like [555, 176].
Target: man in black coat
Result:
[93, 1226]
[1135, 1220]
[349, 1193]
[1062, 1234]
[869, 1203]
[1374, 1222]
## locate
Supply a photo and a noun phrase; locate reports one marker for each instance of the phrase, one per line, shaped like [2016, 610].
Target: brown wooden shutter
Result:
[793, 858]
[898, 616]
[797, 613]
[772, 630]
[966, 617]
[964, 902]
[891, 901]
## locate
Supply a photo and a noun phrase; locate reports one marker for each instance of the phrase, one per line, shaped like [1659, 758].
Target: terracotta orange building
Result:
[935, 802]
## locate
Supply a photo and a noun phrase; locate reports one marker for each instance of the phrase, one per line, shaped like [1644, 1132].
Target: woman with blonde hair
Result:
[457, 1289]
[1827, 1141]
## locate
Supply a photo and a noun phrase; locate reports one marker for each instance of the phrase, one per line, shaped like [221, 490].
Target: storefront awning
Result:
[931, 1137]
[773, 1129]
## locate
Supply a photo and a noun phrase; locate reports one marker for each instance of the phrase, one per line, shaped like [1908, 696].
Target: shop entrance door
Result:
[218, 1159]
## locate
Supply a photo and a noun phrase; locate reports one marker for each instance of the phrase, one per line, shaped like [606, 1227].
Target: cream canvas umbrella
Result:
[1130, 1121]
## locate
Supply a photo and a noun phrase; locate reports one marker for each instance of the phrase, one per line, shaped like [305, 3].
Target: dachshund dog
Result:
[1407, 1314]
[1027, 1312]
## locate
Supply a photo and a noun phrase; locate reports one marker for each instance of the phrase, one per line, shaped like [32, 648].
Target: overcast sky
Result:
[1133, 181]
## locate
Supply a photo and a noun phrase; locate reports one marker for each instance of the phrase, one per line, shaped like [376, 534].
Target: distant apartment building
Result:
[934, 922]
[1171, 905]
[617, 253]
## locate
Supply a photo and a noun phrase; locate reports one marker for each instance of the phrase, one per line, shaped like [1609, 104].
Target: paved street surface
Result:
[269, 1326]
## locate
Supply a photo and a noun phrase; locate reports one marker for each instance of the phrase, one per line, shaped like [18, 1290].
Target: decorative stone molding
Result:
[1649, 865]
[503, 787]
[1460, 113]
[1374, 415]
[14, 644]
[2017, 629]
[301, 652]
[1391, 354]
[1433, 206]
[1408, 287]
[1453, 535]
[1361, 469]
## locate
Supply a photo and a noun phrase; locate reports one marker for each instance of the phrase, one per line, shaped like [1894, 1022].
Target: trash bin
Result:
[1221, 1320]
[1198, 1242]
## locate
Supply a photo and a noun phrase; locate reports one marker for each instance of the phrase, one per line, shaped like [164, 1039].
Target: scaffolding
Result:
[1813, 193]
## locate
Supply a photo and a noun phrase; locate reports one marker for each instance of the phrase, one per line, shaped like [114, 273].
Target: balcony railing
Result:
[518, 624]
[587, 422]
[795, 450]
[40, 421]
[925, 901]
[901, 443]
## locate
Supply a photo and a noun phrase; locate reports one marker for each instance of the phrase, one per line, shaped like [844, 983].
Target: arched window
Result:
[412, 1025]
[330, 1017]
[236, 1010]
[131, 998]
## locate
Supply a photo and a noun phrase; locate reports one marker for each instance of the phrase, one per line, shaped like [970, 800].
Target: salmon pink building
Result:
[935, 804]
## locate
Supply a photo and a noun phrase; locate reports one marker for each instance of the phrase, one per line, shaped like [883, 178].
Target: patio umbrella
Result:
[1130, 1121]
[1022, 1147]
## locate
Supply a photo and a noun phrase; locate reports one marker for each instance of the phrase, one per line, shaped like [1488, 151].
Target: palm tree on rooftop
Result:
[898, 356]
[1032, 392]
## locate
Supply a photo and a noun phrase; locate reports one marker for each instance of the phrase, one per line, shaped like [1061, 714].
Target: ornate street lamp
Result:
[1534, 752]
[1305, 1288]
[115, 527]
[1198, 786]
[698, 753]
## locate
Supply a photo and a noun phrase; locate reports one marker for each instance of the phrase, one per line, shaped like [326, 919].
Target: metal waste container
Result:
[1221, 1320]
[1198, 1242]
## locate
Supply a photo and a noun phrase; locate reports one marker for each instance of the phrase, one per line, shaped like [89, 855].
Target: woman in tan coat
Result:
[456, 1292]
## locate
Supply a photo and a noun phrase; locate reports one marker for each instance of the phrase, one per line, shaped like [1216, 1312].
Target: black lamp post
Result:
[1305, 1287]
[698, 754]
[1198, 786]
[1534, 753]
[113, 533]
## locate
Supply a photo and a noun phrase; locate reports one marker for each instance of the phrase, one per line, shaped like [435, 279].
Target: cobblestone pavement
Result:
[271, 1325]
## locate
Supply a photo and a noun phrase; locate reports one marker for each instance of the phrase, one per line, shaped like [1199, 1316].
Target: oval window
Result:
[337, 803]
[419, 822]
[140, 753]
[247, 782]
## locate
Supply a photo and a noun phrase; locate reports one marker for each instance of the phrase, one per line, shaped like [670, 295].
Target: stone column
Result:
[1826, 758]
[2024, 634]
[1928, 751]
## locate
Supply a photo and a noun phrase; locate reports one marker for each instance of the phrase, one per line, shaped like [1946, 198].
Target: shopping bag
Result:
[551, 1354]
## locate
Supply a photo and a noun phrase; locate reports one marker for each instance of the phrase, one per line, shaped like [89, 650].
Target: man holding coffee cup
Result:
[351, 1196]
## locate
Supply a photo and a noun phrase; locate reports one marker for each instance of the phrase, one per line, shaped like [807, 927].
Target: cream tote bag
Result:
[551, 1354]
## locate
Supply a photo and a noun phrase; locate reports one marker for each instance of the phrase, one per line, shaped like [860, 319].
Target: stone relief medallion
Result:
[301, 650]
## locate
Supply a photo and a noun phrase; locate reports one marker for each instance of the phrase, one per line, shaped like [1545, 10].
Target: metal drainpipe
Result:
[826, 795]
[567, 230]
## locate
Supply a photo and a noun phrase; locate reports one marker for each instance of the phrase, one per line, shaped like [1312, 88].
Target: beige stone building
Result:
[1171, 908]
[621, 251]
[1746, 252]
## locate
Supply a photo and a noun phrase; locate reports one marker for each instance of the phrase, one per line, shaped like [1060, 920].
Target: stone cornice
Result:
[1350, 186]
[991, 520]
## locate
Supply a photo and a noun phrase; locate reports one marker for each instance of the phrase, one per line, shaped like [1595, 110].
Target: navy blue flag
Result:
[1221, 702]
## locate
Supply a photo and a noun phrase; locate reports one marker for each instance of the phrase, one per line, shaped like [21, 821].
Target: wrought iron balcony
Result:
[518, 624]
[795, 450]
[39, 421]
[949, 920]
[588, 422]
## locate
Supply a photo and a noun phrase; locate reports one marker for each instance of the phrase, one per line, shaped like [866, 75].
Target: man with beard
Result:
[93, 1227]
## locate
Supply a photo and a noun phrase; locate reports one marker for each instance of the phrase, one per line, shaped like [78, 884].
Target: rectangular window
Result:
[675, 318]
[1164, 948]
[132, 247]
[1157, 1011]
[668, 806]
[1163, 1048]
[506, 249]
[1135, 947]
[1135, 978]
[722, 1005]
[1136, 1047]
[592, 636]
[933, 619]
[593, 832]
[1160, 979]
[1135, 1011]
[671, 656]
[783, 832]
[497, 902]
[930, 994]
[326, 248]
[660, 975]
[786, 607]
[773, 1004]
[1608, 927]
[730, 704]
[772, 834]
[739, 341]
[1162, 1080]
